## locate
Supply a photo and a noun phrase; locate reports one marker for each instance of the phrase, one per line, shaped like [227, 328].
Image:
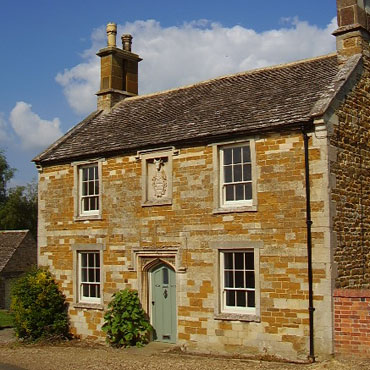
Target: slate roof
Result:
[263, 99]
[9, 242]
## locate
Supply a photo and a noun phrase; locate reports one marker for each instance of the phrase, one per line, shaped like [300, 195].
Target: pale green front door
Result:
[163, 284]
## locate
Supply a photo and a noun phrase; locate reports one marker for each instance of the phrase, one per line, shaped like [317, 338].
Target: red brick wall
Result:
[352, 322]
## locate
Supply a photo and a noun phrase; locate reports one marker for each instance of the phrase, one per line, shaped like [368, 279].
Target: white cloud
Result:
[34, 132]
[175, 56]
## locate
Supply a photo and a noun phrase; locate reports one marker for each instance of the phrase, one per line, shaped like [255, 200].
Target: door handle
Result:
[153, 303]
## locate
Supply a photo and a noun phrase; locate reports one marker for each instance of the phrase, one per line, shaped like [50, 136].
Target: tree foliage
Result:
[125, 321]
[18, 205]
[38, 307]
[6, 173]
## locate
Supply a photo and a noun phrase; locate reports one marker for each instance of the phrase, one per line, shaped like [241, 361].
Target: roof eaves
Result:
[332, 91]
[69, 133]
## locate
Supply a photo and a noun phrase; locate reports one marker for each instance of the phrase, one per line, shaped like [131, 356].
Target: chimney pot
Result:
[126, 42]
[111, 34]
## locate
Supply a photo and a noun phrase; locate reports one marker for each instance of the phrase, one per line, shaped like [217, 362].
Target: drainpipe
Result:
[311, 308]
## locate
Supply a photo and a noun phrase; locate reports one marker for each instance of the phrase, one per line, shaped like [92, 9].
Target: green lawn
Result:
[5, 319]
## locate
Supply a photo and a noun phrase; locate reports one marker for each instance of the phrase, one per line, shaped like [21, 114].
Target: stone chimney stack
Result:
[353, 33]
[126, 42]
[119, 70]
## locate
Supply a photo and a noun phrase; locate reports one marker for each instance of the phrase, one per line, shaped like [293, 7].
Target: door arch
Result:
[163, 302]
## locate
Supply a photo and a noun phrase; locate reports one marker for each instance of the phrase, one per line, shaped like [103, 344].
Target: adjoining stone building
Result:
[238, 207]
[18, 253]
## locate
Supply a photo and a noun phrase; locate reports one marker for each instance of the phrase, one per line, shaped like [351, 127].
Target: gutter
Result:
[311, 308]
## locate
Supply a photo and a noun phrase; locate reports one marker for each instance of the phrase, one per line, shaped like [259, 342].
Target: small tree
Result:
[38, 307]
[125, 321]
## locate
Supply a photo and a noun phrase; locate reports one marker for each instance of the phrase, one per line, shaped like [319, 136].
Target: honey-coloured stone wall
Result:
[187, 234]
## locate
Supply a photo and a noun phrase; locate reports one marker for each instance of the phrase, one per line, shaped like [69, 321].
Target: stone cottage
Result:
[238, 207]
[18, 253]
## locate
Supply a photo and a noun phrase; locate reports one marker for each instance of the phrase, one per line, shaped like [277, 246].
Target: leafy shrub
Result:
[38, 307]
[125, 321]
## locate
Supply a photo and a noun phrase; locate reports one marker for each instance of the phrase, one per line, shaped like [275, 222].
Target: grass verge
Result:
[5, 319]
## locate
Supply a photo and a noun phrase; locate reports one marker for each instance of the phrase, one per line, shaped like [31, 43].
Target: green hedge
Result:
[38, 307]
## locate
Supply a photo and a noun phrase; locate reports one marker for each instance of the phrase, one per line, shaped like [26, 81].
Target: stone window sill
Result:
[89, 306]
[237, 317]
[235, 209]
[87, 218]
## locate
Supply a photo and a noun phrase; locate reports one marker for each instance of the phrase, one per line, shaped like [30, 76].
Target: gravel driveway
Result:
[82, 355]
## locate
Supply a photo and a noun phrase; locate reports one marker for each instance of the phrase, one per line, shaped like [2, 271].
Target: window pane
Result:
[249, 277]
[85, 290]
[230, 298]
[247, 172]
[237, 155]
[97, 260]
[84, 188]
[165, 276]
[249, 260]
[246, 154]
[85, 204]
[83, 259]
[229, 192]
[251, 299]
[92, 203]
[84, 274]
[248, 190]
[96, 187]
[93, 291]
[98, 291]
[97, 275]
[228, 260]
[240, 299]
[239, 191]
[229, 279]
[227, 156]
[238, 173]
[91, 173]
[84, 174]
[96, 173]
[228, 174]
[239, 279]
[91, 259]
[239, 263]
[91, 275]
[91, 188]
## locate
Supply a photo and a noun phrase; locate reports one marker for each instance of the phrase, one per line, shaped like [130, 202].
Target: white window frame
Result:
[223, 184]
[82, 283]
[82, 197]
[223, 312]
[79, 213]
[220, 204]
[223, 289]
[79, 299]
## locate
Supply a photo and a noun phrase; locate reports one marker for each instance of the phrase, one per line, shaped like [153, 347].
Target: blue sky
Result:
[49, 72]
